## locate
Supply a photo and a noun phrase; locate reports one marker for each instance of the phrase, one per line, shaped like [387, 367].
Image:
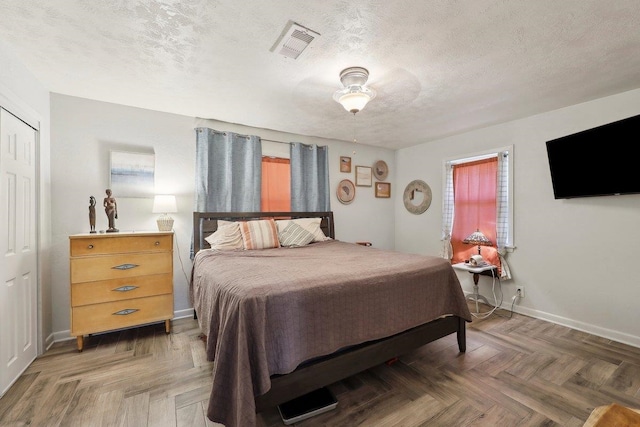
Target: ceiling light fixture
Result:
[355, 95]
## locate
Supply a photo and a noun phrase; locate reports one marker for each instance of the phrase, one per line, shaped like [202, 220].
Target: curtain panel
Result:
[475, 185]
[228, 171]
[447, 213]
[502, 213]
[309, 178]
[276, 185]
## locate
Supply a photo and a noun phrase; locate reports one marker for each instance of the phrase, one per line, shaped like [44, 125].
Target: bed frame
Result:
[205, 223]
[326, 370]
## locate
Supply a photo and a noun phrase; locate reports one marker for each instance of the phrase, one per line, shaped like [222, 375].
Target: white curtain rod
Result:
[246, 136]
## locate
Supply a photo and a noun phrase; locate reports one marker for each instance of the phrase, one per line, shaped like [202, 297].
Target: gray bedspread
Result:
[266, 311]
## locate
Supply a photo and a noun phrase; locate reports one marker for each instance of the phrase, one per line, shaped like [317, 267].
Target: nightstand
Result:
[120, 280]
[485, 270]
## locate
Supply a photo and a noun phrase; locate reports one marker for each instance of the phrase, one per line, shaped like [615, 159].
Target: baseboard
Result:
[66, 335]
[181, 314]
[62, 336]
[609, 334]
[48, 342]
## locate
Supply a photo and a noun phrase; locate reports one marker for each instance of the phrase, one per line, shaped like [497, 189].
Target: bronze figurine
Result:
[111, 209]
[92, 214]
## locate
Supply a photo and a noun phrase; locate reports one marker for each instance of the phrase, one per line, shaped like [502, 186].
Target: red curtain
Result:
[276, 185]
[474, 192]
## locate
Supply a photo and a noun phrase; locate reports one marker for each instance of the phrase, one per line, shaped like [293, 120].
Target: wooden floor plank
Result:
[111, 406]
[460, 413]
[162, 413]
[190, 416]
[495, 416]
[51, 409]
[137, 409]
[626, 378]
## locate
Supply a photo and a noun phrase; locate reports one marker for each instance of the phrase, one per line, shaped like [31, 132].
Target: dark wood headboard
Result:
[205, 223]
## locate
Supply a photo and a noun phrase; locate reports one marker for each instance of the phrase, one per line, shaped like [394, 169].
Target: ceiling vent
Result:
[294, 40]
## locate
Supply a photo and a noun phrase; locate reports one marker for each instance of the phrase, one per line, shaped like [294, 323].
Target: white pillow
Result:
[259, 234]
[312, 225]
[293, 236]
[226, 238]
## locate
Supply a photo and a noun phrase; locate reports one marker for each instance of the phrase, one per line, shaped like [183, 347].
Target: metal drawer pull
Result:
[125, 288]
[125, 266]
[90, 246]
[126, 311]
[157, 243]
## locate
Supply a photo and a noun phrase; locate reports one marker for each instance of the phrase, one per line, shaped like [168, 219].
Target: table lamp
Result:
[477, 238]
[165, 204]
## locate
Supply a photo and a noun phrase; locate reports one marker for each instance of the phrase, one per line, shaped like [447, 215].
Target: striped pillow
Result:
[312, 225]
[260, 234]
[294, 235]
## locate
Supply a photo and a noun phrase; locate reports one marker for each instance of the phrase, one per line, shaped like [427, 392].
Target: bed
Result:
[282, 322]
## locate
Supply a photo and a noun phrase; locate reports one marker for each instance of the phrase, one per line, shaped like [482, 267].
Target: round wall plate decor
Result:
[417, 197]
[380, 170]
[346, 191]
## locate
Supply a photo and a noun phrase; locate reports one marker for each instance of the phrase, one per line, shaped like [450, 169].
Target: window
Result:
[276, 185]
[478, 195]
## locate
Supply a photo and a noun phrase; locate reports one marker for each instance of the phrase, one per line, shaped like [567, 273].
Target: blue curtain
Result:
[309, 178]
[228, 171]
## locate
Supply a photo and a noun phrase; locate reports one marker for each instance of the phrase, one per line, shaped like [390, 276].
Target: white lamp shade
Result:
[354, 98]
[354, 101]
[164, 203]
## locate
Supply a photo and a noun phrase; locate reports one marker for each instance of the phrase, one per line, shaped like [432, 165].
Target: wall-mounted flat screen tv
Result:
[602, 161]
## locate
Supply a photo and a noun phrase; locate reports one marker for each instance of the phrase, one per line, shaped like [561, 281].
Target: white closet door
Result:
[18, 250]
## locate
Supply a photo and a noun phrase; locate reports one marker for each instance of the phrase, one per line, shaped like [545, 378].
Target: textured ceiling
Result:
[440, 67]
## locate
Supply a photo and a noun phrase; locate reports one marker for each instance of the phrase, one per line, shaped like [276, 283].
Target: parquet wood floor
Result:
[517, 371]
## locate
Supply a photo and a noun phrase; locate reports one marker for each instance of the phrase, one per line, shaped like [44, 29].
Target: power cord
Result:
[180, 258]
[497, 305]
[495, 298]
[518, 295]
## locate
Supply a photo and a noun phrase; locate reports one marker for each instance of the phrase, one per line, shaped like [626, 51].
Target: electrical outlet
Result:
[520, 291]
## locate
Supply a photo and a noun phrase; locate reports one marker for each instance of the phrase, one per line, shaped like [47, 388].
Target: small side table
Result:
[485, 270]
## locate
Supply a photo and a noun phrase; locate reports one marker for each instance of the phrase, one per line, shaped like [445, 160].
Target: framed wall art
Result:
[132, 174]
[417, 197]
[345, 164]
[383, 190]
[346, 191]
[363, 176]
[380, 170]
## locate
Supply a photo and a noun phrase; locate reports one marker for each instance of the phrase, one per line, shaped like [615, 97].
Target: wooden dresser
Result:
[119, 280]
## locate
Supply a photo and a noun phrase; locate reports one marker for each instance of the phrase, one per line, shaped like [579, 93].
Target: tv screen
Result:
[596, 162]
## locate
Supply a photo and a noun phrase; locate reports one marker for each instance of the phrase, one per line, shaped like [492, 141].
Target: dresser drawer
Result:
[120, 266]
[85, 293]
[94, 318]
[125, 244]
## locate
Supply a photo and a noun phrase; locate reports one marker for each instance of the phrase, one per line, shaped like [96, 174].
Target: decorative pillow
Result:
[260, 234]
[294, 235]
[226, 238]
[312, 225]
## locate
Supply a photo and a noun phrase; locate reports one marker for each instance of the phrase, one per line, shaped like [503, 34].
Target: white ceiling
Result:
[440, 67]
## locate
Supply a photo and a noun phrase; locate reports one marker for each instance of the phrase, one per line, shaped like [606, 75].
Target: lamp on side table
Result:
[165, 204]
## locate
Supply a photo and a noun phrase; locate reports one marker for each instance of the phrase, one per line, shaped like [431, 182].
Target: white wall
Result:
[576, 258]
[24, 96]
[84, 132]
